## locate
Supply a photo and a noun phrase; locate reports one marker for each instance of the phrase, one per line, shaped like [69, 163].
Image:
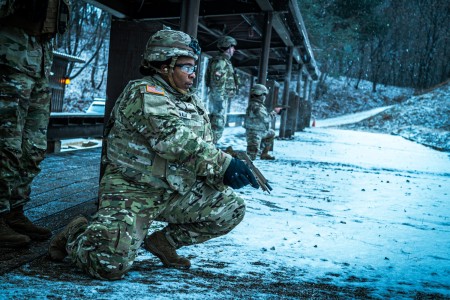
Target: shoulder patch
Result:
[154, 89]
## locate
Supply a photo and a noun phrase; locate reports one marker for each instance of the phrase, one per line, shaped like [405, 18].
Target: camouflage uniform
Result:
[223, 83]
[257, 124]
[161, 165]
[25, 62]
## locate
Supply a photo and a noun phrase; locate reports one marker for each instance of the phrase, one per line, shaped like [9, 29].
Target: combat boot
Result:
[265, 154]
[159, 246]
[18, 222]
[57, 248]
[11, 239]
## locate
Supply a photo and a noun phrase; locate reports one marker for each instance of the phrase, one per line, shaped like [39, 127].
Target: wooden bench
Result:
[72, 125]
[237, 119]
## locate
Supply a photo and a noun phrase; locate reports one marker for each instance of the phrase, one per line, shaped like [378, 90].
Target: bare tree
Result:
[89, 29]
[401, 42]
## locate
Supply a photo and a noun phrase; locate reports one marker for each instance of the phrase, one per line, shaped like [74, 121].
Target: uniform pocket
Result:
[179, 178]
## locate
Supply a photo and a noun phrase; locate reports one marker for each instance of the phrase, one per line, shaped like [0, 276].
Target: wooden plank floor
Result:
[67, 186]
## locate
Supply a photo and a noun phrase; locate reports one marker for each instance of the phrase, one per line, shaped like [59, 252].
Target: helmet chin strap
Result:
[170, 75]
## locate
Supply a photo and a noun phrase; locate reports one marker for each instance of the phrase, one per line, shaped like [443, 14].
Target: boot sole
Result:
[163, 259]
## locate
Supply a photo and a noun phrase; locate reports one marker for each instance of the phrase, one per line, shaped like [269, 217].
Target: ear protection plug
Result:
[165, 70]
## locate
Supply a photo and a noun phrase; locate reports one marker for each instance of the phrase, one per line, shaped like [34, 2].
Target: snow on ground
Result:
[352, 215]
[338, 97]
[350, 118]
[423, 118]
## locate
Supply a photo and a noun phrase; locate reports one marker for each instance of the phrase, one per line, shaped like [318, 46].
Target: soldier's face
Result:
[260, 98]
[181, 77]
[231, 50]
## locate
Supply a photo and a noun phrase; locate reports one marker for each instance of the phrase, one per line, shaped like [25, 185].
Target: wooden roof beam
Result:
[264, 5]
[281, 30]
[309, 59]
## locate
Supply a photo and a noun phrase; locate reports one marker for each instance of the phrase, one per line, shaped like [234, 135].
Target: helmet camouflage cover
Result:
[226, 42]
[167, 43]
[258, 90]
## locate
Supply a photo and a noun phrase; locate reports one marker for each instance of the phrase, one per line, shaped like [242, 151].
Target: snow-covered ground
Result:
[352, 215]
[422, 117]
[350, 118]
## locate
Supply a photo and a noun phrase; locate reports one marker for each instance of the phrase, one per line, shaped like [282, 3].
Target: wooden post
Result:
[54, 146]
[190, 10]
[308, 121]
[189, 17]
[291, 115]
[272, 98]
[264, 60]
[287, 82]
[305, 86]
[298, 99]
[307, 105]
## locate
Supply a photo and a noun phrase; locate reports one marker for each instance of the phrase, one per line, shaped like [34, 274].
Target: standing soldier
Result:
[223, 84]
[160, 164]
[27, 29]
[257, 124]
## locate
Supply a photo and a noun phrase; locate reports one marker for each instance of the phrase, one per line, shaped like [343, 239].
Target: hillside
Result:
[423, 118]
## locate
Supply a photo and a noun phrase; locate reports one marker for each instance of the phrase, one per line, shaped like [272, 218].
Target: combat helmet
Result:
[258, 90]
[168, 43]
[226, 42]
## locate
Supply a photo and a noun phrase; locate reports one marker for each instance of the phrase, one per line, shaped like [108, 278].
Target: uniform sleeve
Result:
[171, 139]
[218, 71]
[258, 112]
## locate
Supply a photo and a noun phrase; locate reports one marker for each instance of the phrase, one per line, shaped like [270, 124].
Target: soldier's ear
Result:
[164, 69]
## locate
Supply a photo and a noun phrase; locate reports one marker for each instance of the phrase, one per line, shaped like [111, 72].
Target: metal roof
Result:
[244, 20]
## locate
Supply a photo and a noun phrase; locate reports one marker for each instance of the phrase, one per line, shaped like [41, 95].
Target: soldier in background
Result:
[223, 83]
[257, 124]
[160, 164]
[27, 29]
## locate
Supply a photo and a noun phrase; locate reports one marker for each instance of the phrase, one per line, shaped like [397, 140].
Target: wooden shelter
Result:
[272, 39]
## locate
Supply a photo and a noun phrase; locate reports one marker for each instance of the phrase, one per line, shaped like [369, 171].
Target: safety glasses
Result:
[188, 69]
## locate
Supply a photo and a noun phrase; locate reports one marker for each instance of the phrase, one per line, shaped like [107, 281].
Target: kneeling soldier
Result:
[257, 124]
[160, 164]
